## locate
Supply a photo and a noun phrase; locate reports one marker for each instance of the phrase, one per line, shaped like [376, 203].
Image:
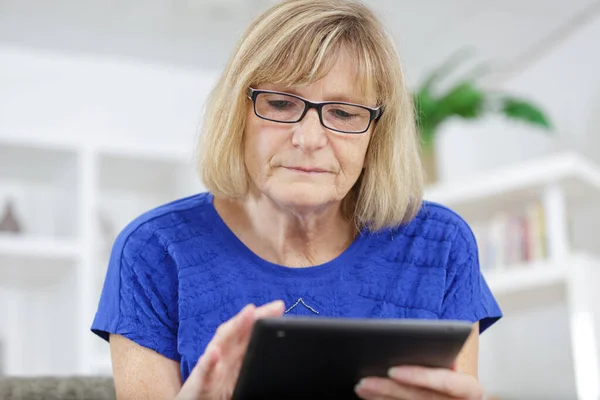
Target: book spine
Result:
[512, 239]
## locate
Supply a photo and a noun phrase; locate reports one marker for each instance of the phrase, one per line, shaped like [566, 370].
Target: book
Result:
[511, 239]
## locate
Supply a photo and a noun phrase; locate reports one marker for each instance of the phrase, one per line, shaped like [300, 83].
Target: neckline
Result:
[346, 257]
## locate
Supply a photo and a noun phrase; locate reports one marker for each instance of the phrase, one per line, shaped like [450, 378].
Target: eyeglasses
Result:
[290, 109]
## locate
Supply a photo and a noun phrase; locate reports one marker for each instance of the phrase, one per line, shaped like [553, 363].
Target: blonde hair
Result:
[294, 43]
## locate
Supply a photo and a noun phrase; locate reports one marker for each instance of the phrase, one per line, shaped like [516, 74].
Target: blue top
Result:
[177, 272]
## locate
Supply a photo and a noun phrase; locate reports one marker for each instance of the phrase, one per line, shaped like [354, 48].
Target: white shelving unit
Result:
[71, 199]
[38, 268]
[35, 248]
[561, 284]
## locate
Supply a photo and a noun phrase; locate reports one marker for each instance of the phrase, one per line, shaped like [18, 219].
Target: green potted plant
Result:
[463, 99]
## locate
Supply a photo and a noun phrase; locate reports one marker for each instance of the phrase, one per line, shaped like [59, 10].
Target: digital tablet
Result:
[324, 358]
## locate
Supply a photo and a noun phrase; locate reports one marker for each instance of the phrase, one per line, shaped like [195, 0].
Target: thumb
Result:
[199, 380]
[273, 309]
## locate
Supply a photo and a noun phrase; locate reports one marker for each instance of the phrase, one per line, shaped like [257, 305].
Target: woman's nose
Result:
[310, 134]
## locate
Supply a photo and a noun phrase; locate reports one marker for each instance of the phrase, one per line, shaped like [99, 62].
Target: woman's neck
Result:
[293, 238]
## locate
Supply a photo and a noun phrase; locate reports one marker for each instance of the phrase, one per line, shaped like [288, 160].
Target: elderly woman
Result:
[314, 207]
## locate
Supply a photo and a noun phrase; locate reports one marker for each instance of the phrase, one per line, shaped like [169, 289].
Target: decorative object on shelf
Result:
[8, 221]
[464, 99]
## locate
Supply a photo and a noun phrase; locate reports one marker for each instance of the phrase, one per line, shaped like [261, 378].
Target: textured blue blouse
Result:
[177, 272]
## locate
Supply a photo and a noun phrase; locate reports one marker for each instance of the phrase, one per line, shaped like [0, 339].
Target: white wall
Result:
[565, 82]
[56, 97]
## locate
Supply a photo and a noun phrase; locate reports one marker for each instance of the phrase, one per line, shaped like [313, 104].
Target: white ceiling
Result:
[201, 33]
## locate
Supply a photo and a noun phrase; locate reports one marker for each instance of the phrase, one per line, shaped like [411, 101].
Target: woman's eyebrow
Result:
[332, 96]
[336, 96]
[346, 98]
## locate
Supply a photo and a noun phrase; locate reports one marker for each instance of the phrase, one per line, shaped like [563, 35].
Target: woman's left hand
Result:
[421, 383]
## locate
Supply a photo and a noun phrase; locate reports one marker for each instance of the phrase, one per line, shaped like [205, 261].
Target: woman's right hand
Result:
[216, 372]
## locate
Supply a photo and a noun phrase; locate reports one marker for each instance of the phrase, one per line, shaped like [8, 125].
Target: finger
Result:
[385, 388]
[442, 380]
[207, 366]
[234, 335]
[244, 328]
[272, 309]
[372, 396]
[235, 327]
[377, 397]
[456, 367]
[381, 388]
[199, 381]
[236, 349]
[365, 393]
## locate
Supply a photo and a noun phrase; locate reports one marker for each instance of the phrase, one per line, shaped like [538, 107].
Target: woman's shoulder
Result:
[447, 230]
[434, 235]
[439, 221]
[142, 275]
[166, 223]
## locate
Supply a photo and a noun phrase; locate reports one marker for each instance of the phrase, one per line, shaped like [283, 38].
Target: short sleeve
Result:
[139, 298]
[467, 295]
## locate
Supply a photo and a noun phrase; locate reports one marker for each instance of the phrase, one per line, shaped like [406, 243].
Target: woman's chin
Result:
[307, 198]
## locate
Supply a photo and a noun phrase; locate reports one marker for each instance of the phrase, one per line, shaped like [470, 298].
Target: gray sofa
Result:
[54, 388]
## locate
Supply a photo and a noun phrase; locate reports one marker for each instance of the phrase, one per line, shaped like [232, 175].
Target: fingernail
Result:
[366, 384]
[278, 303]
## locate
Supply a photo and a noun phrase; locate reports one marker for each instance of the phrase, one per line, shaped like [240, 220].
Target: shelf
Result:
[536, 277]
[519, 278]
[42, 143]
[41, 183]
[35, 260]
[35, 247]
[517, 184]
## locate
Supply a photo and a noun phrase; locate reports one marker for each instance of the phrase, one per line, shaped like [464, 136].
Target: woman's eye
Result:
[342, 114]
[280, 104]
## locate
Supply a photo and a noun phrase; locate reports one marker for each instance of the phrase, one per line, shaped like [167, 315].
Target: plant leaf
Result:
[464, 100]
[520, 109]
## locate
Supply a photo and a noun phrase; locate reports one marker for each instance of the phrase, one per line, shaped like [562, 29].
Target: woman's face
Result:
[305, 165]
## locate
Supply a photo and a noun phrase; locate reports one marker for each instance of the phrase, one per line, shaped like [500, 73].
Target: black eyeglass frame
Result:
[374, 113]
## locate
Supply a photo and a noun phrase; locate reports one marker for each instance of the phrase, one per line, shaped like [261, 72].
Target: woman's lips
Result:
[307, 170]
